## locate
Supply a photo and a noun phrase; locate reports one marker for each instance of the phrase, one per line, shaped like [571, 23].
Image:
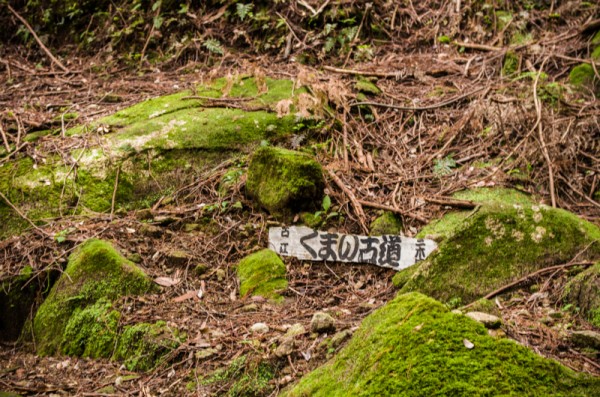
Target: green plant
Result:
[213, 46]
[444, 166]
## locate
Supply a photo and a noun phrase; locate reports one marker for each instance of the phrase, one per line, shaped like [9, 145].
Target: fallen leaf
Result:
[184, 297]
[468, 344]
[166, 281]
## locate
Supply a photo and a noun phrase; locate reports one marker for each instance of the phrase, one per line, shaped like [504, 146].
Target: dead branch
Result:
[355, 203]
[393, 209]
[37, 39]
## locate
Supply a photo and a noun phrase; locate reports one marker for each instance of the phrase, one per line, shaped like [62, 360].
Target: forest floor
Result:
[465, 126]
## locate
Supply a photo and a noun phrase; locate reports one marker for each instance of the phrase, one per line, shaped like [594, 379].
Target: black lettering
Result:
[283, 248]
[350, 250]
[308, 247]
[285, 232]
[390, 251]
[420, 250]
[328, 242]
[368, 254]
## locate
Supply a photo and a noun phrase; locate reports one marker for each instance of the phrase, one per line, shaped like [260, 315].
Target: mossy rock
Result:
[91, 331]
[162, 142]
[284, 181]
[387, 223]
[495, 245]
[262, 273]
[141, 346]
[583, 77]
[414, 346]
[95, 271]
[583, 291]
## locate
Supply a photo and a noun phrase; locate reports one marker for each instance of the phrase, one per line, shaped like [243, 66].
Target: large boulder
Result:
[284, 181]
[95, 276]
[262, 274]
[414, 346]
[161, 142]
[495, 244]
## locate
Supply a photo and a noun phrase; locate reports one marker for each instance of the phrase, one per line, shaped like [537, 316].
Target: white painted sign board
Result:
[394, 252]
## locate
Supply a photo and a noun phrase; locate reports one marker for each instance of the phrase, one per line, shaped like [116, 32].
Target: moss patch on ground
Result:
[95, 272]
[262, 273]
[497, 244]
[413, 346]
[284, 181]
[583, 291]
[141, 346]
[387, 223]
[583, 77]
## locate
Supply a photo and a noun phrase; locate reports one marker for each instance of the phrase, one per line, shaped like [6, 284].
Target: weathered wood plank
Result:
[394, 252]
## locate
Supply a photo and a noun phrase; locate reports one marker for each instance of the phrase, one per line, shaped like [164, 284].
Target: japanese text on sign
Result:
[395, 252]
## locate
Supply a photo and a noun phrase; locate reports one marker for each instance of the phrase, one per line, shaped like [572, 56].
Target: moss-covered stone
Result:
[366, 86]
[583, 77]
[91, 331]
[95, 271]
[414, 346]
[284, 181]
[386, 223]
[510, 66]
[583, 291]
[496, 244]
[262, 273]
[160, 143]
[141, 346]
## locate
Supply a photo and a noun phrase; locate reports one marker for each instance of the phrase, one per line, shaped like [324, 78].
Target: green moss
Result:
[485, 306]
[511, 64]
[387, 223]
[244, 376]
[521, 38]
[596, 54]
[498, 244]
[91, 331]
[444, 39]
[413, 346]
[444, 227]
[94, 271]
[503, 18]
[262, 273]
[284, 181]
[141, 346]
[583, 291]
[583, 76]
[366, 86]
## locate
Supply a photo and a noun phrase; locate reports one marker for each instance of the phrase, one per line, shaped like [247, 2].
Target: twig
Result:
[591, 201]
[289, 27]
[393, 209]
[345, 138]
[114, 195]
[531, 275]
[422, 108]
[208, 98]
[5, 139]
[355, 203]
[474, 46]
[451, 202]
[395, 75]
[37, 39]
[538, 108]
[11, 205]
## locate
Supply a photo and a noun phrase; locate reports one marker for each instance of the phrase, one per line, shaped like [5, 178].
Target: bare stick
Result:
[538, 108]
[451, 202]
[421, 108]
[395, 75]
[393, 209]
[37, 39]
[114, 195]
[531, 275]
[5, 139]
[11, 205]
[355, 203]
[345, 132]
[474, 46]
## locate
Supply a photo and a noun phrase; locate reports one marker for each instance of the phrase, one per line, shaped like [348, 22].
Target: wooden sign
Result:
[395, 252]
